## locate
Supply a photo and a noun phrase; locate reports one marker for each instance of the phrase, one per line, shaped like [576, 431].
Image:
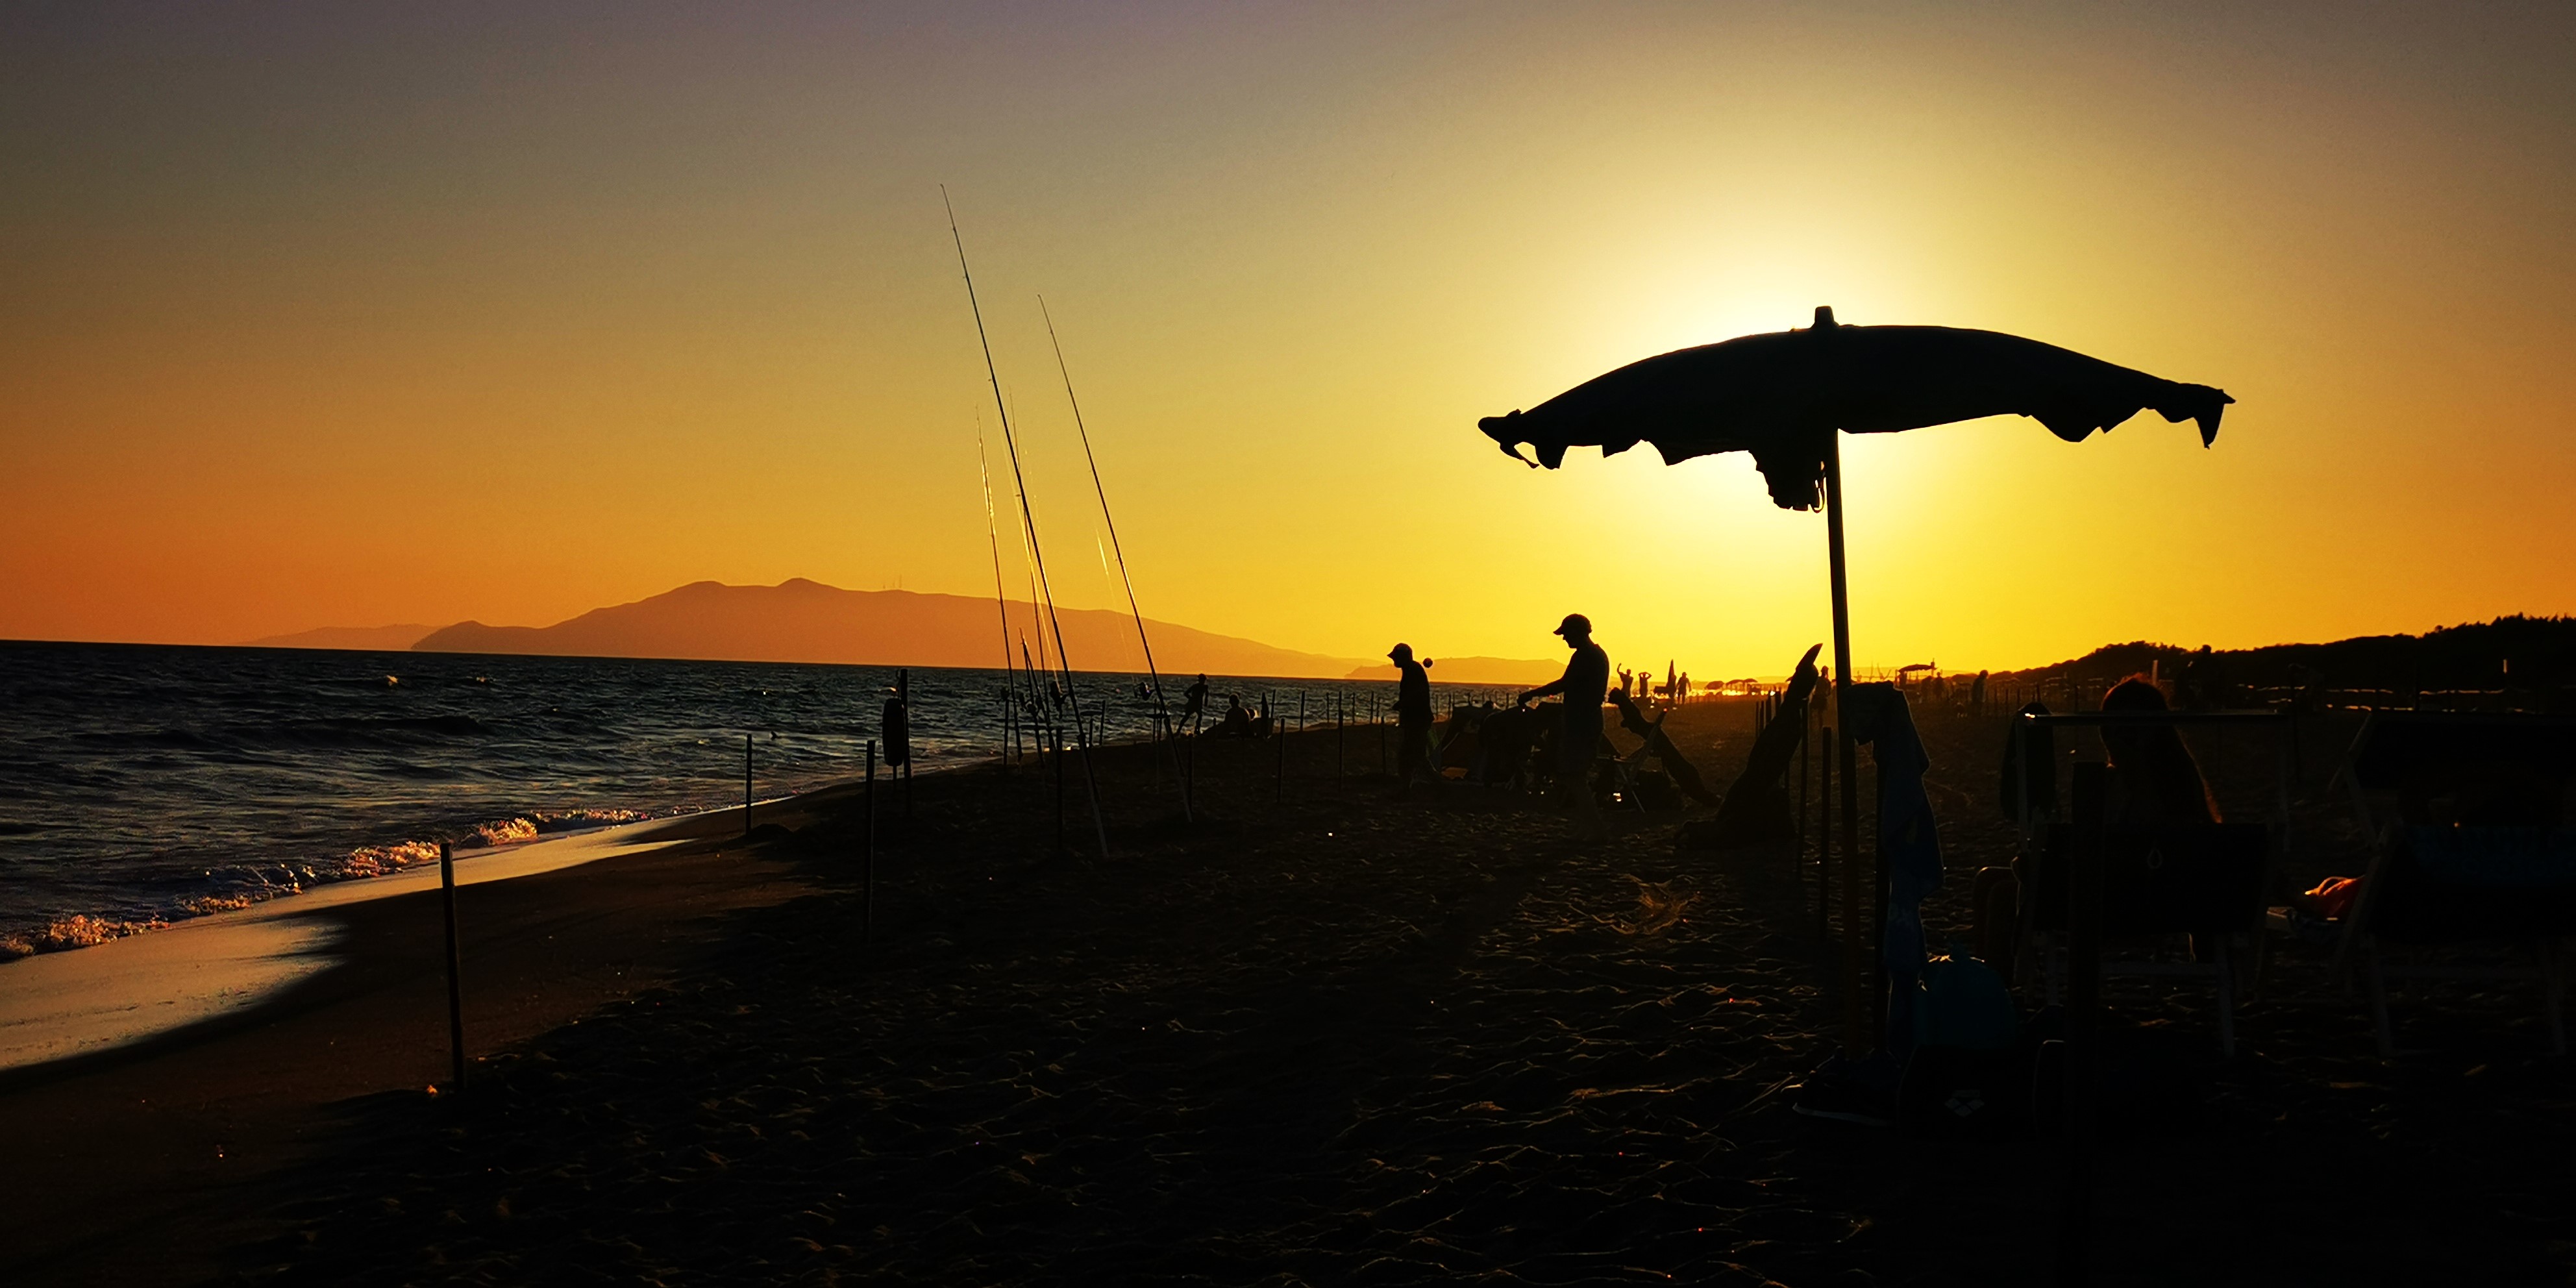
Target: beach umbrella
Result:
[1787, 397]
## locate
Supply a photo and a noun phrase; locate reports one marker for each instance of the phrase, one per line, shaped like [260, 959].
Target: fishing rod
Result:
[1162, 708]
[1028, 564]
[1010, 442]
[1001, 602]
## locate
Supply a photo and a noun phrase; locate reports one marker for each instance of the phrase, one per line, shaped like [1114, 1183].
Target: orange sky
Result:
[321, 315]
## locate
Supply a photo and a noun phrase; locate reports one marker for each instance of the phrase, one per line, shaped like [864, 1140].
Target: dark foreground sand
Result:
[1333, 1040]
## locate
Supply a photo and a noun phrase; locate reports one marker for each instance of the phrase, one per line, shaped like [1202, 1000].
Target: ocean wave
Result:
[575, 820]
[376, 860]
[506, 831]
[72, 932]
[151, 783]
[255, 885]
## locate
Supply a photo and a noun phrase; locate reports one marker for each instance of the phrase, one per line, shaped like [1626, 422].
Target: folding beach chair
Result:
[2208, 881]
[2470, 844]
[2205, 881]
[1625, 769]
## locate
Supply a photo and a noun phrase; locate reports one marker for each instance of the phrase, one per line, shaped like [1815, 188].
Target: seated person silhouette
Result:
[1237, 722]
[2153, 782]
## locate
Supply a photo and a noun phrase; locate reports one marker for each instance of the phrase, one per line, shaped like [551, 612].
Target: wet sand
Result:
[145, 1162]
[1329, 1040]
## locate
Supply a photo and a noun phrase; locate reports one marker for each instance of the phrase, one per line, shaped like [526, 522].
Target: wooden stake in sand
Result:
[455, 970]
[868, 858]
[1806, 735]
[1279, 735]
[746, 786]
[1341, 719]
[1055, 730]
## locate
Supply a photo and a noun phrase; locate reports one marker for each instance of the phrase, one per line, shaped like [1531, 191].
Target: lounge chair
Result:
[1625, 769]
[2471, 844]
[2208, 881]
[2205, 881]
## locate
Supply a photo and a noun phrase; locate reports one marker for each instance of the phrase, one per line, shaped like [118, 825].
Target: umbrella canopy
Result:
[1779, 396]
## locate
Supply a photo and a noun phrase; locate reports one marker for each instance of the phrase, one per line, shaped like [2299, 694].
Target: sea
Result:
[141, 784]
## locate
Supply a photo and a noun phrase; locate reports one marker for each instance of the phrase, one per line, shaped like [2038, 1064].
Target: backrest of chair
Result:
[2495, 769]
[2198, 878]
[2466, 883]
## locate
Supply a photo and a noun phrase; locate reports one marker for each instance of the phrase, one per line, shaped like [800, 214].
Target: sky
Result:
[347, 315]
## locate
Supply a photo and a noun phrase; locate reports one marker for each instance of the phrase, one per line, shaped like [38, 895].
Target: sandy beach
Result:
[1324, 1039]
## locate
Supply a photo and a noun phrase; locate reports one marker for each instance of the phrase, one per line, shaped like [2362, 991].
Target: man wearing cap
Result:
[1412, 716]
[1584, 685]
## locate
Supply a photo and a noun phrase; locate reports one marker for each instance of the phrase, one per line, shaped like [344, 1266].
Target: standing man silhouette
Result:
[1584, 685]
[1412, 717]
[1194, 701]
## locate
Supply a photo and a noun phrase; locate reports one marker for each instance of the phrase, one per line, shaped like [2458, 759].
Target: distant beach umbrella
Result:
[1783, 396]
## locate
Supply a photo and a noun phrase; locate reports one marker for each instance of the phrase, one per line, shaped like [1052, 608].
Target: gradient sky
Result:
[343, 315]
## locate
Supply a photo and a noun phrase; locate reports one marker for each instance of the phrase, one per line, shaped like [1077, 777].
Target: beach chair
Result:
[2208, 881]
[1625, 769]
[2205, 881]
[2470, 845]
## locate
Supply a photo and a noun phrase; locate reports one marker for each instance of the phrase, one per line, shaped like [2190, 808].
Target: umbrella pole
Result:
[1858, 1041]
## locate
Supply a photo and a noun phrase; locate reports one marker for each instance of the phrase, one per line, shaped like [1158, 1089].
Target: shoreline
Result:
[232, 799]
[156, 983]
[86, 932]
[161, 1151]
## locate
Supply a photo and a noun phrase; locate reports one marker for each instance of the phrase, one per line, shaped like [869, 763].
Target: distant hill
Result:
[806, 621]
[363, 639]
[2509, 652]
[1473, 670]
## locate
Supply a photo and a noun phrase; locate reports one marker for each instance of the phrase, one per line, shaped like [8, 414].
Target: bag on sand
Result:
[1964, 1003]
[1953, 1093]
[1970, 1074]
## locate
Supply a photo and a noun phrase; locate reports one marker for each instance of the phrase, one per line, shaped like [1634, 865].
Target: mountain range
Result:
[806, 621]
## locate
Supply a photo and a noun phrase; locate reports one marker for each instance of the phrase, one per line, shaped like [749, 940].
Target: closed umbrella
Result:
[1783, 396]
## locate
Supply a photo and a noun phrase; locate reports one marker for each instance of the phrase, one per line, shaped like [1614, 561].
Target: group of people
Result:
[1583, 688]
[1641, 684]
[1239, 721]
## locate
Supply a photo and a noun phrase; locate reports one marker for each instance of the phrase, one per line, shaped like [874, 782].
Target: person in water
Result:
[1584, 686]
[1194, 700]
[1412, 717]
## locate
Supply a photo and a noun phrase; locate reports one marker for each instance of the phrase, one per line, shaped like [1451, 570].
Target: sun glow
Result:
[295, 337]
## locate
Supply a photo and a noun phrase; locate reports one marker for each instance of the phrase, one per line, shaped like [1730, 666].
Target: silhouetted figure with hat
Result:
[1412, 717]
[1584, 686]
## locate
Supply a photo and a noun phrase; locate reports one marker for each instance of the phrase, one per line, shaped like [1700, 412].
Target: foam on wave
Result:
[83, 931]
